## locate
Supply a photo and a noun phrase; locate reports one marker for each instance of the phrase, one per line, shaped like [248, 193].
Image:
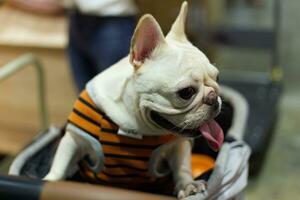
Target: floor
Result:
[279, 179]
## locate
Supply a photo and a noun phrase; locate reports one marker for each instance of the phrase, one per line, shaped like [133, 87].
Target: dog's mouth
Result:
[210, 130]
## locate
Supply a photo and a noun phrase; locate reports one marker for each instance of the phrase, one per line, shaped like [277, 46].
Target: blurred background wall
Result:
[45, 36]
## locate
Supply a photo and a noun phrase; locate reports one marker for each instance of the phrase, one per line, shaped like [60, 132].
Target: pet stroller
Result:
[262, 88]
[226, 172]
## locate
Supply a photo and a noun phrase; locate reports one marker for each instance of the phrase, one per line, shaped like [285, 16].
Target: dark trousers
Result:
[95, 43]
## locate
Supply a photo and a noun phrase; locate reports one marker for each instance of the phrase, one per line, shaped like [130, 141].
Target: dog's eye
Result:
[187, 93]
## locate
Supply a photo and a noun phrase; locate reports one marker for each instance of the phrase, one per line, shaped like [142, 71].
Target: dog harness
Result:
[125, 159]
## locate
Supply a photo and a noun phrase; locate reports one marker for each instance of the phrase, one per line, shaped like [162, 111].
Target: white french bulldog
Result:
[166, 85]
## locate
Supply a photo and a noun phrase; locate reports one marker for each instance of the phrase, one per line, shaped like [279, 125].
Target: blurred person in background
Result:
[99, 35]
[99, 31]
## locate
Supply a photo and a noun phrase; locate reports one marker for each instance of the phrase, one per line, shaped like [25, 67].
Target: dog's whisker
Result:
[186, 124]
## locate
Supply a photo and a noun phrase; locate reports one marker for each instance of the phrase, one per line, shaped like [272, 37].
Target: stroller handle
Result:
[16, 65]
[13, 187]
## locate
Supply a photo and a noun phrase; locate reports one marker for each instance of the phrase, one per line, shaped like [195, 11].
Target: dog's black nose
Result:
[211, 99]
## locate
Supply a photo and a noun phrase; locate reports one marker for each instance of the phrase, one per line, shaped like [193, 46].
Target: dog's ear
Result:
[147, 36]
[177, 31]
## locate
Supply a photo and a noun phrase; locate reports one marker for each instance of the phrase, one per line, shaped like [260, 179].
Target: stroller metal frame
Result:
[20, 63]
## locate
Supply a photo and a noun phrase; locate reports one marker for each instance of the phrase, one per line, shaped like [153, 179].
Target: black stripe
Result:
[88, 104]
[106, 130]
[118, 184]
[129, 145]
[86, 117]
[125, 166]
[108, 119]
[156, 184]
[96, 110]
[124, 175]
[127, 157]
[87, 178]
[84, 130]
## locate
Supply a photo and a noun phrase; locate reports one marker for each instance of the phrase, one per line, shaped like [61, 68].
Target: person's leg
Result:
[81, 68]
[111, 41]
[81, 65]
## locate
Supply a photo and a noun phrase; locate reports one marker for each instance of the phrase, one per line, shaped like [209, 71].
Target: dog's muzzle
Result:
[211, 100]
[166, 124]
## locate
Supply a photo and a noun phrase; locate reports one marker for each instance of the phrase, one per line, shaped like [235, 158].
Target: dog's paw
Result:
[192, 188]
[52, 177]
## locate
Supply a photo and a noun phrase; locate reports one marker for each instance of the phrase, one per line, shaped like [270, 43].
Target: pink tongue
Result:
[213, 133]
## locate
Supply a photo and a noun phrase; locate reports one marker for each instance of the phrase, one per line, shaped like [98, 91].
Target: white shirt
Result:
[103, 7]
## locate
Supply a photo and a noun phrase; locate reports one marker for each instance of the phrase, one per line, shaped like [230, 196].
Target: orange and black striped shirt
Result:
[125, 159]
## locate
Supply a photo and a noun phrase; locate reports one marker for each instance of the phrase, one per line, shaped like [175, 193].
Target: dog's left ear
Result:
[147, 37]
[177, 31]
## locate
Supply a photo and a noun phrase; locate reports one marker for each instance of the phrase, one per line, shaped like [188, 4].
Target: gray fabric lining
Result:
[240, 109]
[23, 157]
[230, 175]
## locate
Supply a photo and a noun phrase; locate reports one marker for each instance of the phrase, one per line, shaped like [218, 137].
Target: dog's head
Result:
[176, 83]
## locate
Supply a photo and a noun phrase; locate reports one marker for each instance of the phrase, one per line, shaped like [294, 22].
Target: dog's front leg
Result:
[180, 163]
[69, 152]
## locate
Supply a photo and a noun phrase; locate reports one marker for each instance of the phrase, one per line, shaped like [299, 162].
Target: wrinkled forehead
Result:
[180, 63]
[195, 62]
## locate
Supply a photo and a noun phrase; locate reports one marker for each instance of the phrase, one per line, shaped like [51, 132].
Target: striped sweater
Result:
[125, 159]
